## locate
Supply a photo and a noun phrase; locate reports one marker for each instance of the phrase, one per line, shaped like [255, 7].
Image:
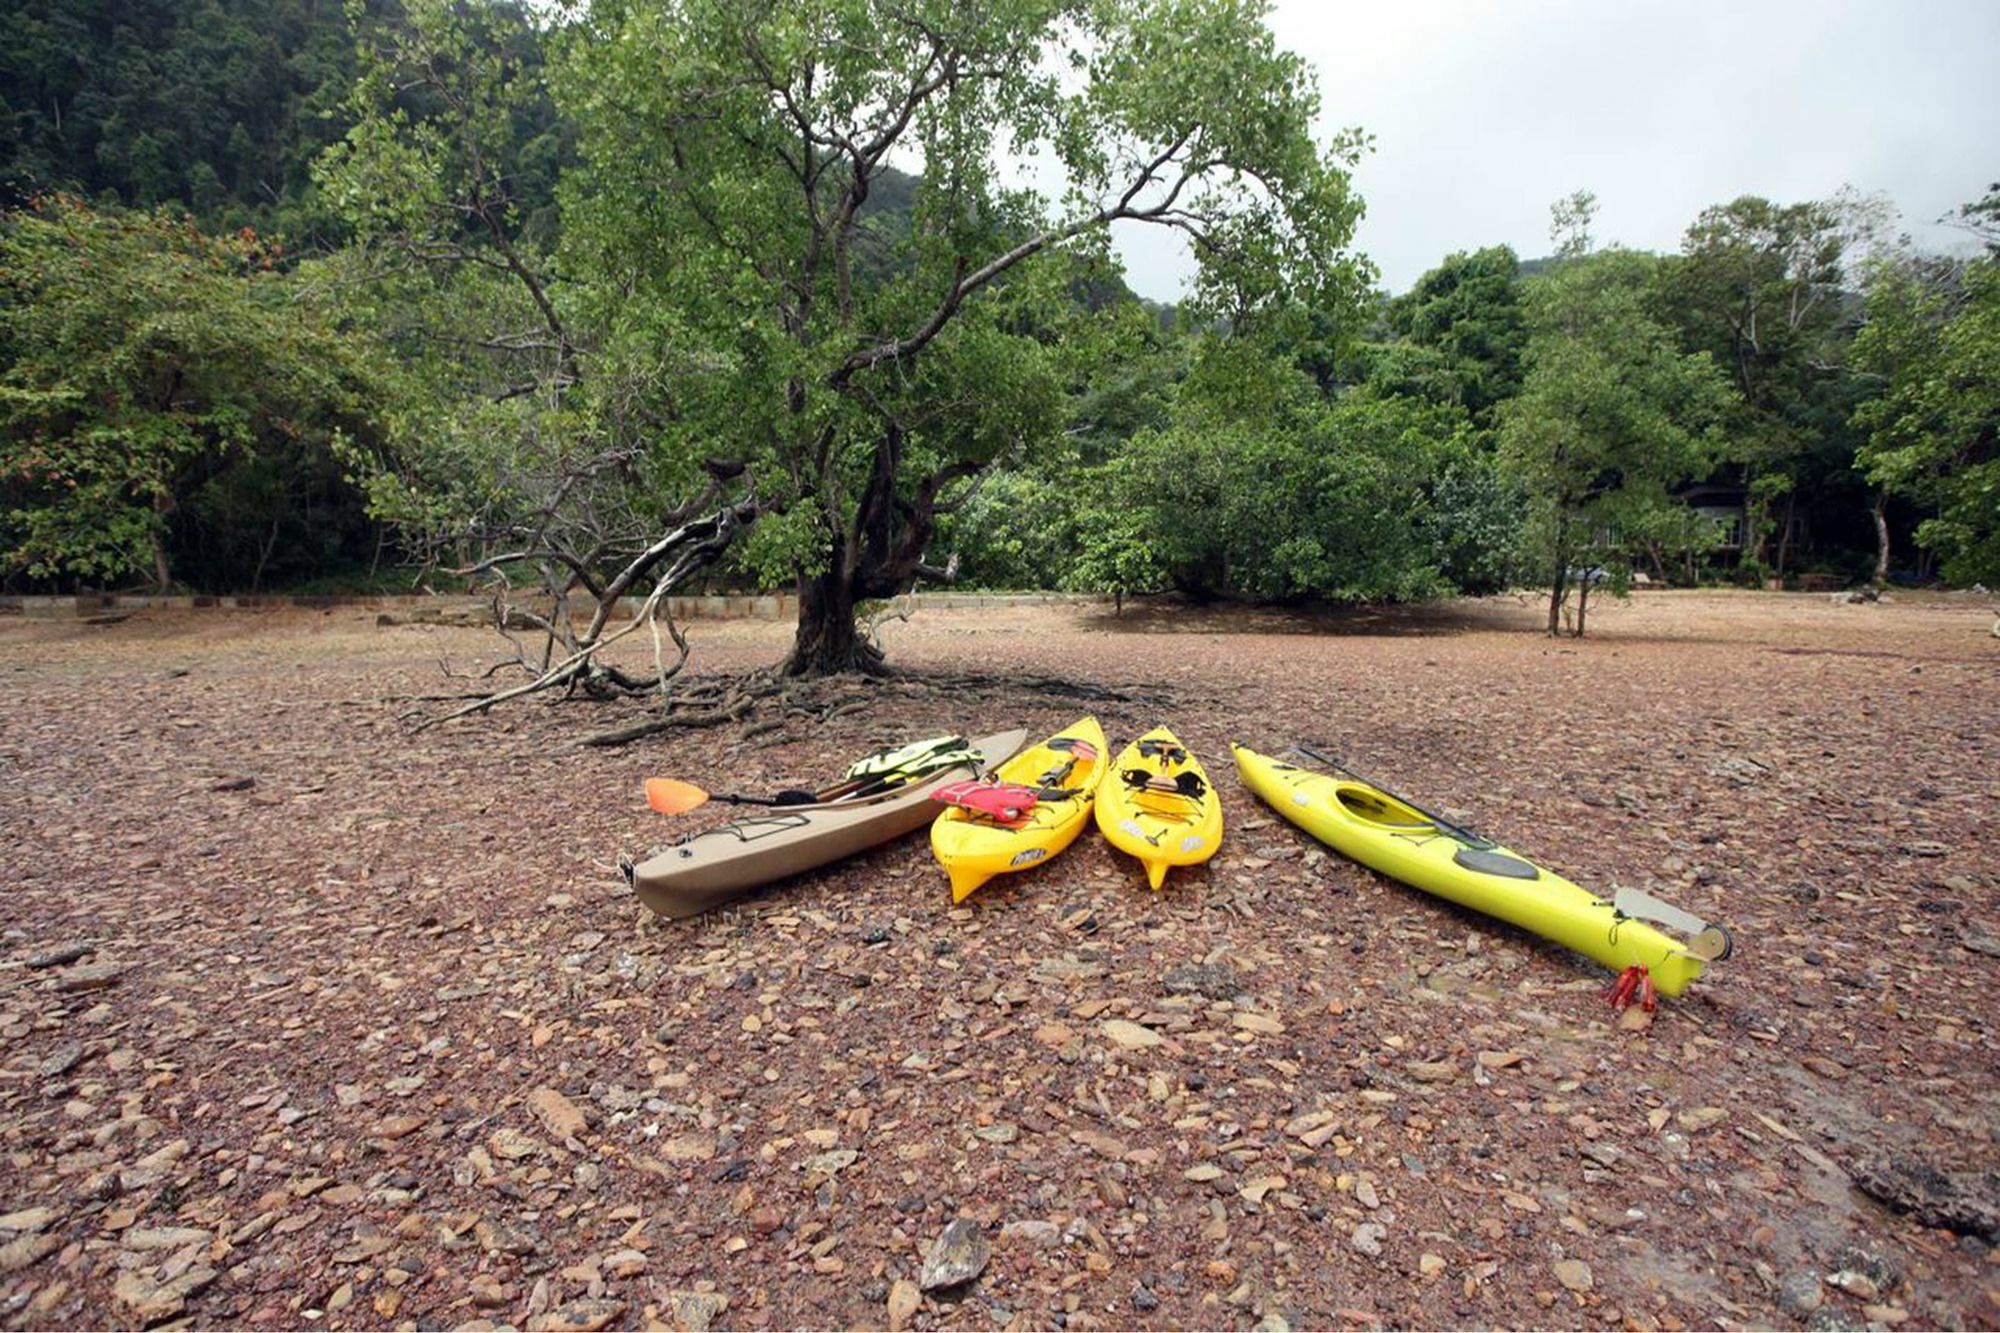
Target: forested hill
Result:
[218, 106]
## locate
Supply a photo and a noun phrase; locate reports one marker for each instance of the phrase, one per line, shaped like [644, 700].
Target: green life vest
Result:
[893, 768]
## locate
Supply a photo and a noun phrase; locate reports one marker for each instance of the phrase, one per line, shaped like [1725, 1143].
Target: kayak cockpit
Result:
[1372, 807]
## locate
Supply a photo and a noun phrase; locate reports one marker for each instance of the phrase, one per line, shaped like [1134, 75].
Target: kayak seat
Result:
[1495, 863]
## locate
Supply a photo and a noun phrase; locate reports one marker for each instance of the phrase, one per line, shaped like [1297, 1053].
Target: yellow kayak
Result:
[1157, 804]
[974, 848]
[1404, 843]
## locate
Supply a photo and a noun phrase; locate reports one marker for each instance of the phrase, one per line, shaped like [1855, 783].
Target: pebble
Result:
[578, 1316]
[1800, 1293]
[695, 1311]
[1130, 1035]
[90, 977]
[558, 1114]
[958, 1255]
[152, 1299]
[904, 1300]
[23, 1251]
[1574, 1274]
[1217, 981]
[1367, 1238]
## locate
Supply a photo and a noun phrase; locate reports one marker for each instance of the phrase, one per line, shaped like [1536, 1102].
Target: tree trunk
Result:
[878, 554]
[828, 641]
[1785, 534]
[1561, 583]
[1582, 604]
[1880, 513]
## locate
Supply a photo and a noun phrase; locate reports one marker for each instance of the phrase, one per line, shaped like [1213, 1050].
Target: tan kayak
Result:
[709, 869]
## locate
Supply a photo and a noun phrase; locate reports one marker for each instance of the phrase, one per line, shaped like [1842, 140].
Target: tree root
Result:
[773, 699]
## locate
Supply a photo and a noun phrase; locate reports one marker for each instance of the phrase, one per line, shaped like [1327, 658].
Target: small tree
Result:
[1611, 417]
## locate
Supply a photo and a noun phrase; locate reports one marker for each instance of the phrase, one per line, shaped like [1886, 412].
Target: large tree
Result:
[1758, 286]
[869, 372]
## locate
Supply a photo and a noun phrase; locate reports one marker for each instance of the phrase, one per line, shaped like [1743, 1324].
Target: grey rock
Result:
[62, 1059]
[1367, 1238]
[959, 1254]
[1217, 981]
[1799, 1293]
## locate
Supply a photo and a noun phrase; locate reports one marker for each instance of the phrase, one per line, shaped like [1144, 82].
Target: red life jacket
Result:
[1004, 802]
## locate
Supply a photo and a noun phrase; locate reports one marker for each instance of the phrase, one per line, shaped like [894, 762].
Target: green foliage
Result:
[1758, 287]
[168, 394]
[867, 363]
[1611, 417]
[1933, 435]
[218, 107]
[1475, 523]
[1263, 492]
[1467, 313]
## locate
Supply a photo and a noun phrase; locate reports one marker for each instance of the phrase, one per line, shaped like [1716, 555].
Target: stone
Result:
[1367, 1239]
[23, 1251]
[400, 1126]
[959, 1254]
[578, 1316]
[1432, 1071]
[165, 1238]
[152, 1300]
[28, 1219]
[1031, 1231]
[90, 977]
[1130, 1035]
[1800, 1293]
[1574, 1274]
[1701, 1117]
[488, 1293]
[1262, 1024]
[57, 956]
[904, 1299]
[1217, 981]
[558, 1114]
[693, 1311]
[1430, 1265]
[61, 1060]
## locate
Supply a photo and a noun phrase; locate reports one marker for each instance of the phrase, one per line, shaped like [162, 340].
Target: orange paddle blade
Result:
[670, 797]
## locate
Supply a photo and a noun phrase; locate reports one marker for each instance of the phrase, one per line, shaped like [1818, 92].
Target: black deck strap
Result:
[1495, 863]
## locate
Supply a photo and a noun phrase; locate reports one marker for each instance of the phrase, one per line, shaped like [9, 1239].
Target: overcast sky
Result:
[1484, 112]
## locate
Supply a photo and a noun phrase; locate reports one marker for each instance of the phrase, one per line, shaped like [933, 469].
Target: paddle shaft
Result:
[1473, 840]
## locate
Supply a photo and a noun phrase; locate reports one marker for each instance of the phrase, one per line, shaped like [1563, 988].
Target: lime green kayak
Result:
[1388, 835]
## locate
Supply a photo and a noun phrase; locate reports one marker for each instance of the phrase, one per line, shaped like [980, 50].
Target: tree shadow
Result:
[1462, 615]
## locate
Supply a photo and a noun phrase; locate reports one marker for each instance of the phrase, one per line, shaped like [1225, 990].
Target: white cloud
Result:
[1484, 112]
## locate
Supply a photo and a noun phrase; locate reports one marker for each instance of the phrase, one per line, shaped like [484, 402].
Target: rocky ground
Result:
[309, 1021]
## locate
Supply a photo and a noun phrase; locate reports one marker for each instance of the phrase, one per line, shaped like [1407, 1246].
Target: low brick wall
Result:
[760, 606]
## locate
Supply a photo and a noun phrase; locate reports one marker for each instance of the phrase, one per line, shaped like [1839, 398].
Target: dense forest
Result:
[295, 294]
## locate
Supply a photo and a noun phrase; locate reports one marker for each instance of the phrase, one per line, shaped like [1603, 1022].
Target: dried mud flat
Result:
[305, 1021]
